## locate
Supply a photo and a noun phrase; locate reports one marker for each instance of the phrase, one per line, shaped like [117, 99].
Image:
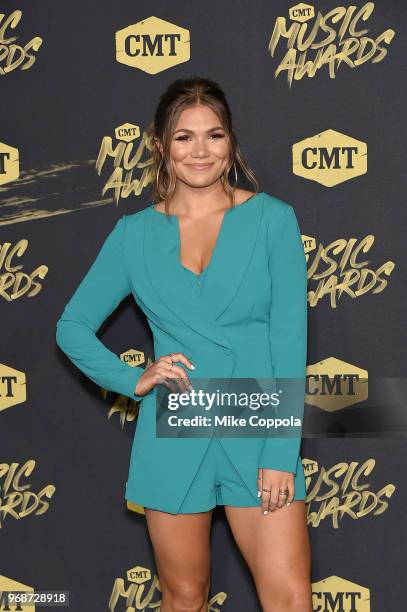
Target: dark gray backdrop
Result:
[57, 113]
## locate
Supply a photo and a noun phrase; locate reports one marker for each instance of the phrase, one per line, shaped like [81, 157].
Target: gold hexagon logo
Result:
[13, 387]
[333, 384]
[310, 466]
[133, 357]
[138, 574]
[336, 593]
[309, 243]
[329, 158]
[9, 163]
[127, 132]
[7, 584]
[301, 12]
[153, 45]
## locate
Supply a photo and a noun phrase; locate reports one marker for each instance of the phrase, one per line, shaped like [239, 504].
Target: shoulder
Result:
[242, 195]
[276, 208]
[281, 218]
[137, 217]
[133, 222]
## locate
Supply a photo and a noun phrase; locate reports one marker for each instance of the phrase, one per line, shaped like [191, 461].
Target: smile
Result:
[200, 166]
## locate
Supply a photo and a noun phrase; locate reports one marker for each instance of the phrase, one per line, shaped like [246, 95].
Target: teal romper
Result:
[245, 316]
[216, 482]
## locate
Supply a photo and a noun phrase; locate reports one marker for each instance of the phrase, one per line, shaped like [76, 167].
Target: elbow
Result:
[61, 334]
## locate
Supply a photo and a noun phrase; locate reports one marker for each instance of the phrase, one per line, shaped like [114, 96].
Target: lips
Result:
[200, 166]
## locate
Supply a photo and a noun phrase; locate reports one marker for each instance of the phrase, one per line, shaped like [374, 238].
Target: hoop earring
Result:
[158, 172]
[234, 164]
[224, 175]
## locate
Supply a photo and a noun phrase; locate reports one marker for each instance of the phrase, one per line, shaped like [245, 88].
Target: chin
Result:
[203, 179]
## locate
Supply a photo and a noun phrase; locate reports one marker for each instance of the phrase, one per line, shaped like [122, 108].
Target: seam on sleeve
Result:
[277, 230]
[123, 251]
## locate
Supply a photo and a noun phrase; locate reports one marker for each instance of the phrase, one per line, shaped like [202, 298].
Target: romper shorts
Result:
[217, 483]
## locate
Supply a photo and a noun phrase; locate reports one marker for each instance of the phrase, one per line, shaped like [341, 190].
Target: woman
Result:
[220, 274]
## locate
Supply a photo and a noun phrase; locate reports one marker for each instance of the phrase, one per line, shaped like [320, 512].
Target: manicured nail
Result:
[192, 366]
[265, 512]
[258, 493]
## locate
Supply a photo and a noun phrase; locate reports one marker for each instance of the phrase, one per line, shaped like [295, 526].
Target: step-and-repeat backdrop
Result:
[317, 93]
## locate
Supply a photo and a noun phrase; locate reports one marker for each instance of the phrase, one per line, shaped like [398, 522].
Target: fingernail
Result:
[192, 366]
[265, 512]
[258, 493]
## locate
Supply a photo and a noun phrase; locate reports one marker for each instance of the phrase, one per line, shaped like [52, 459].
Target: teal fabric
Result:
[218, 483]
[247, 317]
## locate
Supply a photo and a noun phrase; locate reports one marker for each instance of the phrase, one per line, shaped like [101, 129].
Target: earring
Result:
[234, 164]
[158, 172]
[222, 178]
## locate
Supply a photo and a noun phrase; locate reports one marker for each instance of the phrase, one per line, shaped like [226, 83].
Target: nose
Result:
[200, 148]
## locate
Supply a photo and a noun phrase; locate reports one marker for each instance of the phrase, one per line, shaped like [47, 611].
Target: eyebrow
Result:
[191, 131]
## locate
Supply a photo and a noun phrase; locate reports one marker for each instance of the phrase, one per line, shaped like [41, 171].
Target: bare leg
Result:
[276, 548]
[181, 544]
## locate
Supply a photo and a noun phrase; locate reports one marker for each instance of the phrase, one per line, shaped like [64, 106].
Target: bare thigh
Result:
[276, 548]
[181, 544]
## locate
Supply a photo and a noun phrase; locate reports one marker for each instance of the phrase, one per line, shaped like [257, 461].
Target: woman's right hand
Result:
[164, 371]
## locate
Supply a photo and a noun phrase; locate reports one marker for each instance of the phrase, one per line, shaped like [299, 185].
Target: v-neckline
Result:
[220, 232]
[198, 274]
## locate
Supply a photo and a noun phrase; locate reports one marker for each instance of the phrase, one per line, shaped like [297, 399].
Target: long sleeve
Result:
[288, 329]
[102, 289]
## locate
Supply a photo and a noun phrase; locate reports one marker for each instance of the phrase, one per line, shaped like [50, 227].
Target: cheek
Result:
[220, 149]
[178, 152]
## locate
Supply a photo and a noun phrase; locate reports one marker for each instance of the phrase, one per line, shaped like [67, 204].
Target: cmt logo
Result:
[310, 466]
[333, 384]
[301, 12]
[138, 574]
[13, 387]
[329, 158]
[133, 358]
[9, 164]
[127, 132]
[137, 594]
[335, 594]
[152, 45]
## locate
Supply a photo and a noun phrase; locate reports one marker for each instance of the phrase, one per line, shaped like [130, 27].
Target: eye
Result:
[216, 136]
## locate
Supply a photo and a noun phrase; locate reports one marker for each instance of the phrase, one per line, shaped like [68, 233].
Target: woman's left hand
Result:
[276, 488]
